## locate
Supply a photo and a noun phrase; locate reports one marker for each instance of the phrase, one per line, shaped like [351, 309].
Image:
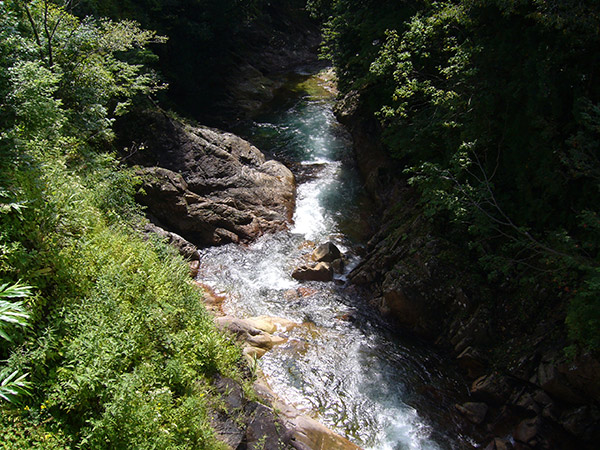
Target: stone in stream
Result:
[338, 265]
[256, 333]
[321, 272]
[326, 252]
[300, 431]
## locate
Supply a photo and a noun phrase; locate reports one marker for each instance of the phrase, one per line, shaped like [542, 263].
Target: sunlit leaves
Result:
[33, 99]
[13, 385]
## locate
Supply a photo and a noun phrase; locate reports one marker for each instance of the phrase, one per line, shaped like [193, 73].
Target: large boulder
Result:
[209, 186]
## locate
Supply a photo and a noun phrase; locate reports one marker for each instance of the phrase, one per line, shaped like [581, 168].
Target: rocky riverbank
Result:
[525, 393]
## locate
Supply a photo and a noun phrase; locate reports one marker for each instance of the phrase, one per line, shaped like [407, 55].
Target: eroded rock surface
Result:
[209, 186]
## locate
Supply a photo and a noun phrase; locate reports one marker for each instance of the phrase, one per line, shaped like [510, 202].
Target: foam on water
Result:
[338, 366]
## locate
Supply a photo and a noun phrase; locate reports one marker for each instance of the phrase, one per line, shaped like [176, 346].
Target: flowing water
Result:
[342, 365]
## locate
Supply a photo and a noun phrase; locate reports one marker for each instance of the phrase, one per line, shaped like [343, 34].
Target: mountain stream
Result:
[343, 366]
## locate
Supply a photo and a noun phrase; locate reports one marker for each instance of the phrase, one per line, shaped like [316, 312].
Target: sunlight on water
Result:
[337, 366]
[312, 219]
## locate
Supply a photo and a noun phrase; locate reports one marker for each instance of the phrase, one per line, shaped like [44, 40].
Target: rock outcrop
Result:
[184, 247]
[206, 185]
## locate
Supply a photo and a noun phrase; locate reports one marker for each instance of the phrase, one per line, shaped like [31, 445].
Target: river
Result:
[343, 366]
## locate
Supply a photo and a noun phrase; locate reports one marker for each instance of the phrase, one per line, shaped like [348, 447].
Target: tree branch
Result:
[33, 27]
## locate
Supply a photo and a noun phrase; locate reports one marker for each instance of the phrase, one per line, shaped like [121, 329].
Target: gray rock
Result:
[209, 186]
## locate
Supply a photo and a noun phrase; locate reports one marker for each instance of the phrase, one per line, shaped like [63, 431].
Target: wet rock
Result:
[306, 291]
[265, 341]
[301, 432]
[474, 411]
[256, 333]
[212, 300]
[326, 252]
[270, 324]
[492, 388]
[209, 186]
[308, 434]
[239, 327]
[251, 353]
[338, 265]
[321, 272]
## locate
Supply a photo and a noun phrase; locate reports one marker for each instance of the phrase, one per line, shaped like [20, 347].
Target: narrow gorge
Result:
[299, 224]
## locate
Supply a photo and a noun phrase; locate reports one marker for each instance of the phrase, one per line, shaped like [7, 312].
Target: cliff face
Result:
[427, 284]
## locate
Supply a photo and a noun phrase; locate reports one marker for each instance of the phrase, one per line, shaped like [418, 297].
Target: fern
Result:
[12, 312]
[12, 385]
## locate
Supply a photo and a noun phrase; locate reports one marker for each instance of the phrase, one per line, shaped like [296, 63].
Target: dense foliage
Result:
[493, 107]
[207, 41]
[111, 341]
